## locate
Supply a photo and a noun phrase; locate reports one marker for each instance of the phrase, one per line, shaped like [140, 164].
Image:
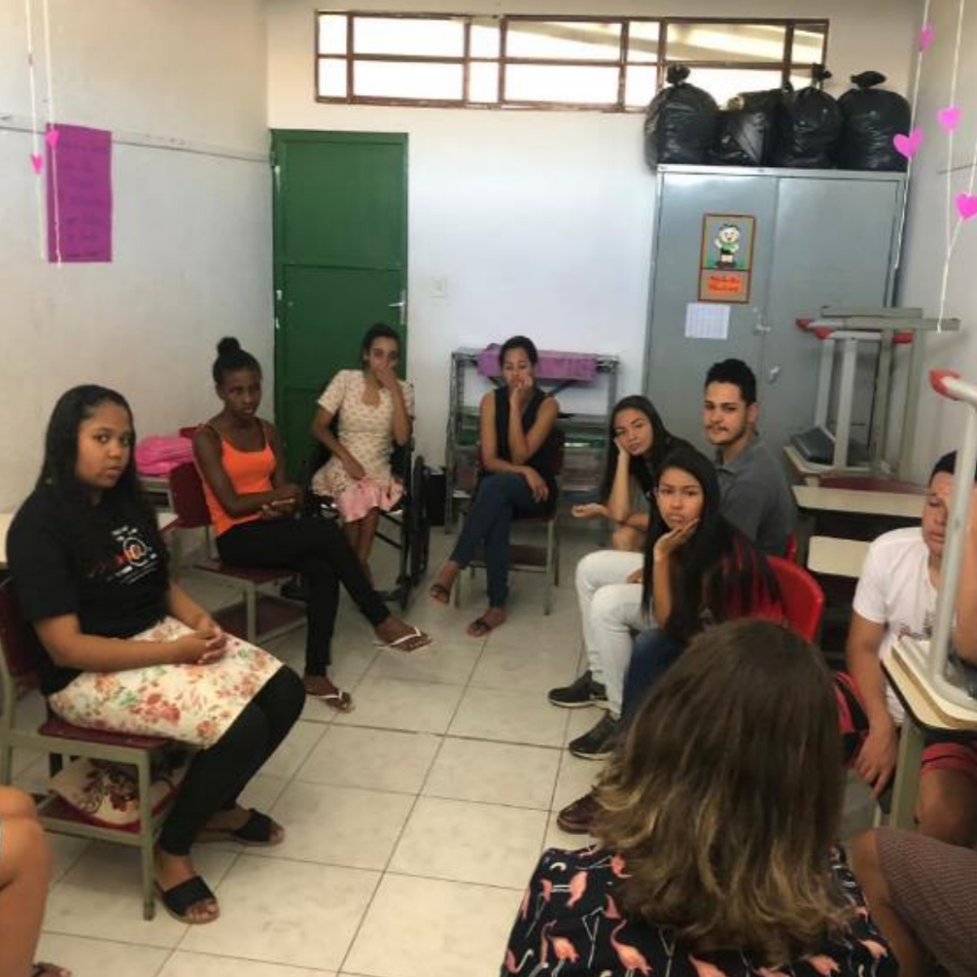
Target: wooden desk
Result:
[926, 712]
[163, 519]
[836, 557]
[895, 505]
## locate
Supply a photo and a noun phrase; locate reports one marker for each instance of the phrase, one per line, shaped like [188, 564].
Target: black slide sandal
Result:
[179, 900]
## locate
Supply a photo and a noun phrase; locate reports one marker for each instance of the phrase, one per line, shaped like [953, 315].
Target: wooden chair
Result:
[266, 616]
[533, 558]
[20, 664]
[801, 596]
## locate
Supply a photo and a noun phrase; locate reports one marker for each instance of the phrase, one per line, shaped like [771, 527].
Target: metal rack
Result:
[586, 434]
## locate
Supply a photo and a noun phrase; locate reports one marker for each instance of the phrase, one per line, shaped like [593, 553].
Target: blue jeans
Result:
[500, 496]
[653, 654]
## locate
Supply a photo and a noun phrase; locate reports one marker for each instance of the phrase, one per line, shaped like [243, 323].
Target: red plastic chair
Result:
[266, 616]
[801, 596]
[791, 552]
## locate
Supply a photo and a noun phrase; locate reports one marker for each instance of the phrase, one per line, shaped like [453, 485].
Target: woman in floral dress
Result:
[374, 410]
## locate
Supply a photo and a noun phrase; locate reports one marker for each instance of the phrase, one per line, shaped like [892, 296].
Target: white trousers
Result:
[610, 609]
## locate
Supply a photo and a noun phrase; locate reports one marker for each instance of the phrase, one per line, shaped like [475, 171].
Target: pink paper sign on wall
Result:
[79, 194]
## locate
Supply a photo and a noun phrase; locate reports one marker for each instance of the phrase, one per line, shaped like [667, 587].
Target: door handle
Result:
[401, 306]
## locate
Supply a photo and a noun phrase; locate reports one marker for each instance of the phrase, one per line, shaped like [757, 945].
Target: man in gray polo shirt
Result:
[756, 496]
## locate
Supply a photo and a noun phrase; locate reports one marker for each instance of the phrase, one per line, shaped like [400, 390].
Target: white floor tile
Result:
[509, 716]
[449, 659]
[101, 897]
[338, 825]
[292, 752]
[469, 842]
[185, 964]
[424, 928]
[293, 913]
[575, 779]
[96, 958]
[417, 706]
[526, 666]
[555, 838]
[353, 756]
[503, 773]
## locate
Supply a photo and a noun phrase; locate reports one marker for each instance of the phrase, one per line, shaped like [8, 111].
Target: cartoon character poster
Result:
[726, 262]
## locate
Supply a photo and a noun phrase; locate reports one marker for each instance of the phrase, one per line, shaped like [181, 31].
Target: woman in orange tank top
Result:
[255, 512]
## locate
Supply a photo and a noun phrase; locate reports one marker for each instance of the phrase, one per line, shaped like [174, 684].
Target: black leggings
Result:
[217, 775]
[318, 549]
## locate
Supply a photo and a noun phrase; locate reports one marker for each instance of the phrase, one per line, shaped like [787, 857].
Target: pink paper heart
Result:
[52, 137]
[908, 145]
[37, 162]
[967, 205]
[926, 36]
[949, 118]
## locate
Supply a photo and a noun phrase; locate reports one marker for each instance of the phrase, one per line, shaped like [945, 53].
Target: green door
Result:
[340, 211]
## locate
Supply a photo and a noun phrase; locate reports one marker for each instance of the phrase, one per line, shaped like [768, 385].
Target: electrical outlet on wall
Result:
[439, 287]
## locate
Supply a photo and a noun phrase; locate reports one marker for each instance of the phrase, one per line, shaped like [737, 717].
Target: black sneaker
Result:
[584, 691]
[598, 742]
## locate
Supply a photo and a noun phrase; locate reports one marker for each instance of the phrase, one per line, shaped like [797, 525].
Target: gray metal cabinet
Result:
[820, 238]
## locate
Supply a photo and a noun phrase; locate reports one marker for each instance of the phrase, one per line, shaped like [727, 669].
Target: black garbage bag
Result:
[808, 126]
[679, 122]
[871, 117]
[746, 129]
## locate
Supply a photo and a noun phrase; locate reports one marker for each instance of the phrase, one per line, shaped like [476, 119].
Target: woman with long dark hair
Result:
[638, 442]
[374, 410]
[253, 508]
[716, 829]
[518, 477]
[128, 650]
[697, 569]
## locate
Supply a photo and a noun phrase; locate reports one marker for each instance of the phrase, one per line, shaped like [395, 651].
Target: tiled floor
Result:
[412, 823]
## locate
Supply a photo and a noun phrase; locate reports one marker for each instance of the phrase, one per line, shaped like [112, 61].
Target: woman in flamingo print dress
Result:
[715, 853]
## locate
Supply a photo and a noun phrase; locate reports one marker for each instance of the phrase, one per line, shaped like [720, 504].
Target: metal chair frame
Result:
[20, 664]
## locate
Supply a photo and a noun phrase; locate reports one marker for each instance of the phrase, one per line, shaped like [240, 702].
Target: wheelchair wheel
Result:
[420, 526]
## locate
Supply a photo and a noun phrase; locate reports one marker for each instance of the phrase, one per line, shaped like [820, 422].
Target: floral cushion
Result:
[107, 794]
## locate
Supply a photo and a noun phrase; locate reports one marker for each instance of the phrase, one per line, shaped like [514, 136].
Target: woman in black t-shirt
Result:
[518, 477]
[129, 651]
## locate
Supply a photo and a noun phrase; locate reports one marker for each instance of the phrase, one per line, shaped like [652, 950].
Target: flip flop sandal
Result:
[179, 900]
[257, 832]
[339, 700]
[398, 643]
[40, 968]
[439, 593]
[479, 628]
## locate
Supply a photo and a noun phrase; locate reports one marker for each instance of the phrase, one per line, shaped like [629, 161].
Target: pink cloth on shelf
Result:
[160, 454]
[357, 499]
[553, 364]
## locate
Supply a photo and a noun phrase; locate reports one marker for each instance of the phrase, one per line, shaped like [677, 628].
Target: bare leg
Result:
[628, 540]
[909, 951]
[25, 871]
[947, 807]
[444, 581]
[364, 546]
[351, 530]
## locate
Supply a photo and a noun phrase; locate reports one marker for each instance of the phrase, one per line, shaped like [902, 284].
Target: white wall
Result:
[926, 250]
[540, 222]
[192, 230]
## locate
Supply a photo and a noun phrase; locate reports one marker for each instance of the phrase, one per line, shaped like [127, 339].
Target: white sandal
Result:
[412, 635]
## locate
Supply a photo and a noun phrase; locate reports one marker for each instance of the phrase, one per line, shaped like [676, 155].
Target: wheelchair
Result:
[406, 527]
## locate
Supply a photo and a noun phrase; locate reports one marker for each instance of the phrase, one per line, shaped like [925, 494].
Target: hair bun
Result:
[228, 345]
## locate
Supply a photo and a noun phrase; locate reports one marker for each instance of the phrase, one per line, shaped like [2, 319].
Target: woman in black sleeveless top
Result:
[518, 477]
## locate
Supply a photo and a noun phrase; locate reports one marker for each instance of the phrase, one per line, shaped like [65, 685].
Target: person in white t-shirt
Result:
[896, 596]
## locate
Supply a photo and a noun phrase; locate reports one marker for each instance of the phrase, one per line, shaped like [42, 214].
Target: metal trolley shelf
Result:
[586, 433]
